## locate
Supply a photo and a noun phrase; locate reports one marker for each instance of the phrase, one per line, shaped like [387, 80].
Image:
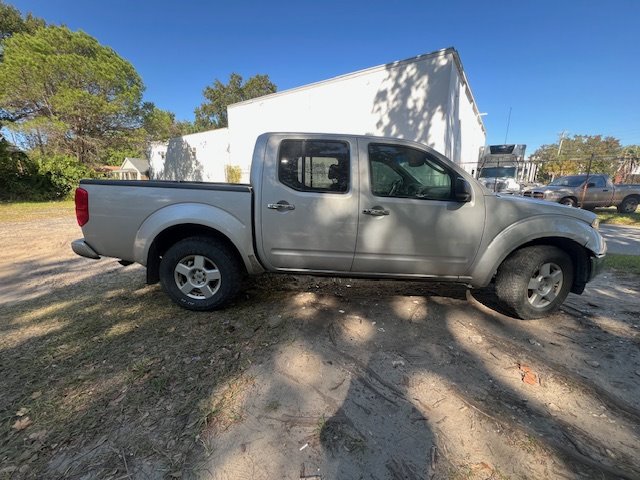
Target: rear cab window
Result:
[315, 165]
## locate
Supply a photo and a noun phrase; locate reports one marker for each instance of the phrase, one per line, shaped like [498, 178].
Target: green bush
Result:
[15, 171]
[63, 174]
[38, 179]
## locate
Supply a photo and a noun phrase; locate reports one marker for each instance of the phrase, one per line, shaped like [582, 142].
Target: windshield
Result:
[494, 172]
[570, 181]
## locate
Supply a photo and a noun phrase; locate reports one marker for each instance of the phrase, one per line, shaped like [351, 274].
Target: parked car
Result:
[341, 205]
[589, 192]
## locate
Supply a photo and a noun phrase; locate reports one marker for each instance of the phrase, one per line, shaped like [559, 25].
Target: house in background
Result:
[425, 99]
[133, 169]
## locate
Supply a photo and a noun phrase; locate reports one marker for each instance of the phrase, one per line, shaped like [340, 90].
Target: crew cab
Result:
[341, 205]
[589, 192]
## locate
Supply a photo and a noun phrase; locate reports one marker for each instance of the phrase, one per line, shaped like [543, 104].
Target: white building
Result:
[426, 99]
[199, 157]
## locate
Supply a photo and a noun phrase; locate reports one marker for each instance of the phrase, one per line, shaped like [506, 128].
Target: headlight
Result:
[596, 223]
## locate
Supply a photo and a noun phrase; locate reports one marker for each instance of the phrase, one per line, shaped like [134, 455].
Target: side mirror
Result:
[463, 191]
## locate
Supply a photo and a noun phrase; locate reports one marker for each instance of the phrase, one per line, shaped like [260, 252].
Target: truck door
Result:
[599, 193]
[409, 222]
[309, 204]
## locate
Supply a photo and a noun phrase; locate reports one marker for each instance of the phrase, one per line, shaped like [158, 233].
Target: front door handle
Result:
[375, 211]
[281, 205]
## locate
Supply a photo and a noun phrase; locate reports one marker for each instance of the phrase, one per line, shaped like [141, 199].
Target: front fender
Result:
[237, 231]
[528, 230]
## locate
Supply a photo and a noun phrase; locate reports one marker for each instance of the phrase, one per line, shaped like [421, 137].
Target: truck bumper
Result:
[83, 249]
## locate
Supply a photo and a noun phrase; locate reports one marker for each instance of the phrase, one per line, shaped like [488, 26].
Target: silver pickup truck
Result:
[588, 192]
[341, 205]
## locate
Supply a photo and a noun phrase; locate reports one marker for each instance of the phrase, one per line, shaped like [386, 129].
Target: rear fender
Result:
[239, 234]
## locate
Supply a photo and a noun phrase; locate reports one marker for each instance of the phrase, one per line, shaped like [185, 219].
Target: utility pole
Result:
[562, 135]
[586, 182]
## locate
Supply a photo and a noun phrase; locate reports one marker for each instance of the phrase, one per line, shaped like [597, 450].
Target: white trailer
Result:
[503, 168]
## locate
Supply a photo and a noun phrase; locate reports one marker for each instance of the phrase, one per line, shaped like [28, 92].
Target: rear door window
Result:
[314, 165]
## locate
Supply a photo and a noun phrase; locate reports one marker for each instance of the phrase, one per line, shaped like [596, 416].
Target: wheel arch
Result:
[175, 233]
[579, 258]
[179, 221]
[575, 237]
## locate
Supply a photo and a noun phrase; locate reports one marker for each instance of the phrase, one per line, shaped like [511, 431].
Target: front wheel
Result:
[200, 274]
[534, 281]
[569, 202]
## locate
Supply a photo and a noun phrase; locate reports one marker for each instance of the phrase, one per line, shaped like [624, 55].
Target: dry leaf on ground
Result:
[22, 423]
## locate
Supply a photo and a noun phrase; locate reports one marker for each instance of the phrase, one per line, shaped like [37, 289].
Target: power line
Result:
[508, 124]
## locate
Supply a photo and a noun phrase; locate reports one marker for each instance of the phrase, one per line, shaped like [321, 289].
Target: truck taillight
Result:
[82, 206]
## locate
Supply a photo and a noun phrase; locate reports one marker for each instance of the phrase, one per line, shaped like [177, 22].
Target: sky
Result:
[563, 65]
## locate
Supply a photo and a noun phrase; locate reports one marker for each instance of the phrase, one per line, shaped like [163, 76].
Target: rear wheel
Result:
[534, 281]
[200, 274]
[628, 205]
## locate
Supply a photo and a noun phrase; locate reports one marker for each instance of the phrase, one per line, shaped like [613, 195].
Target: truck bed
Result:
[118, 209]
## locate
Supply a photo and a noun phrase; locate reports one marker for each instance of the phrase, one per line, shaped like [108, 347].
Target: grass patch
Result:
[612, 217]
[624, 263]
[27, 211]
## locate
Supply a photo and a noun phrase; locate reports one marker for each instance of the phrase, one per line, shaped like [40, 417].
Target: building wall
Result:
[419, 99]
[199, 157]
[156, 154]
[424, 99]
[467, 134]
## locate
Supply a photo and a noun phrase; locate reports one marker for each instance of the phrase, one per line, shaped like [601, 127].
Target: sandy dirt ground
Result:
[383, 380]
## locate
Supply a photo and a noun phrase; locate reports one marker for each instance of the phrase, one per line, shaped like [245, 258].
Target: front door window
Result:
[405, 172]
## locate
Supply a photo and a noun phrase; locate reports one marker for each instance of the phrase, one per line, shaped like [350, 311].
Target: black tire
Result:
[628, 205]
[569, 201]
[526, 266]
[199, 274]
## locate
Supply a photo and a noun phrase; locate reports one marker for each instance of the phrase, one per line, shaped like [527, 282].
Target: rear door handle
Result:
[281, 205]
[375, 211]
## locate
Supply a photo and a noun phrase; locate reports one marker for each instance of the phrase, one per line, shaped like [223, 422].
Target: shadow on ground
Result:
[102, 377]
[396, 380]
